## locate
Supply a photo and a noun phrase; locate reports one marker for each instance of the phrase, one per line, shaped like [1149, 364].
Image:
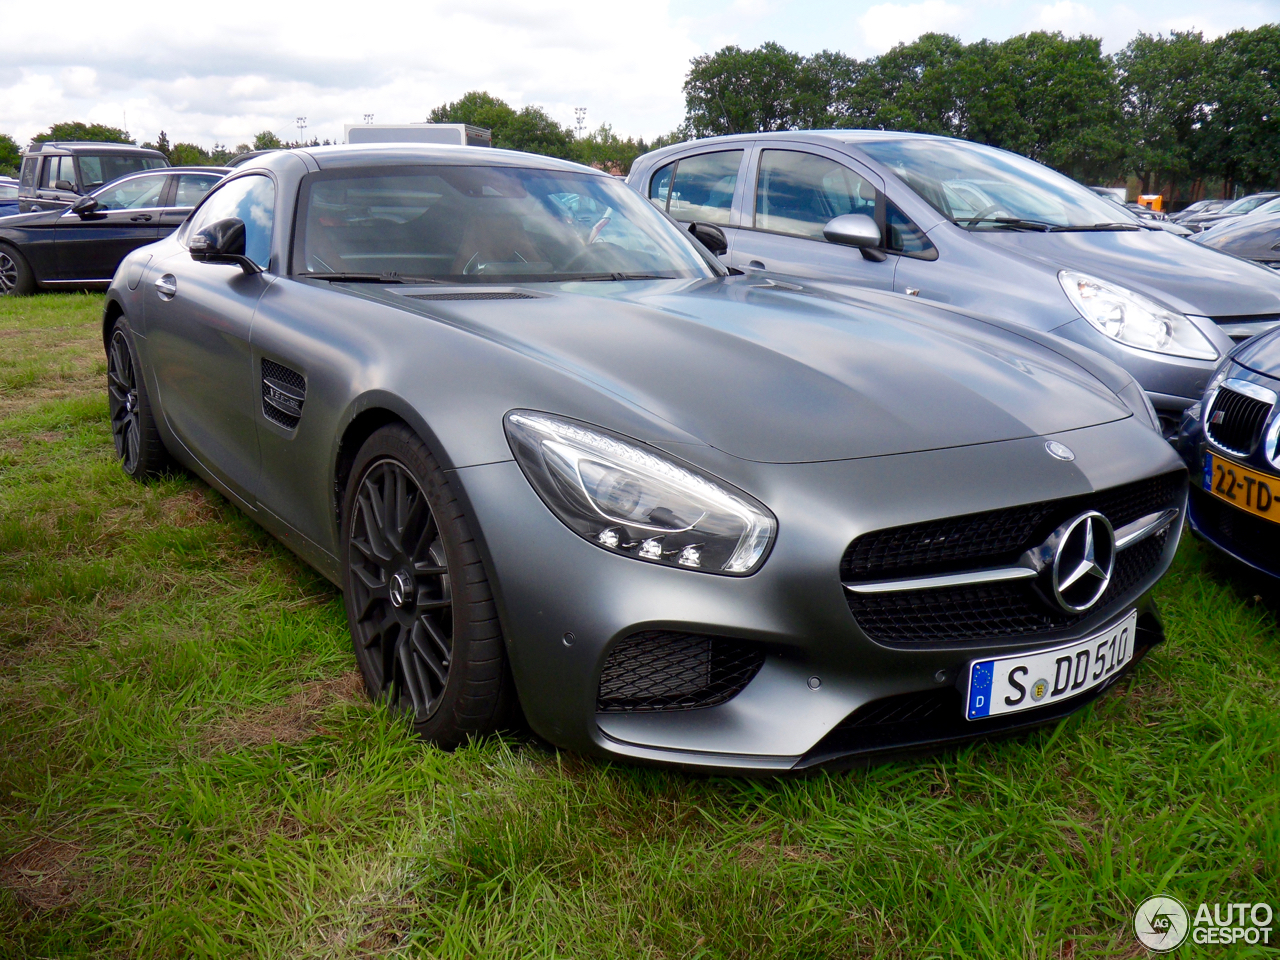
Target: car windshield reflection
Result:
[487, 224]
[983, 188]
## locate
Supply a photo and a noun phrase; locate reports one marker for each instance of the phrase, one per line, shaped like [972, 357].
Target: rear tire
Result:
[133, 428]
[421, 613]
[16, 278]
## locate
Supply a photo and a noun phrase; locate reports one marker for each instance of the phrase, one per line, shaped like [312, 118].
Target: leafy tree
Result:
[87, 132]
[824, 92]
[605, 150]
[188, 155]
[530, 129]
[1242, 131]
[743, 91]
[10, 156]
[241, 148]
[267, 140]
[1163, 86]
[915, 86]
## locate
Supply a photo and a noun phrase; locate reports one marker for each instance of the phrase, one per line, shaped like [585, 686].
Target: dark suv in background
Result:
[54, 175]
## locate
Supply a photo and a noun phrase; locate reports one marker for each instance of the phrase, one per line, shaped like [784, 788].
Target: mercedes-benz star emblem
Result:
[1082, 561]
[401, 588]
[1059, 450]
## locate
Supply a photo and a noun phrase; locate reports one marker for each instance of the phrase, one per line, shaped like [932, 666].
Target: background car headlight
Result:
[631, 500]
[1133, 319]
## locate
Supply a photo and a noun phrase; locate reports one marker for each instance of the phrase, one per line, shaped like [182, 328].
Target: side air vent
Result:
[283, 393]
[474, 295]
[659, 670]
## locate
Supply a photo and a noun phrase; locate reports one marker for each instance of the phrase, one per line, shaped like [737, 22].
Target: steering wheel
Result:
[982, 214]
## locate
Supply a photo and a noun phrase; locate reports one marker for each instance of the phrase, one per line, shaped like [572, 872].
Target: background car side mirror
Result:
[64, 185]
[222, 242]
[710, 236]
[856, 230]
[85, 207]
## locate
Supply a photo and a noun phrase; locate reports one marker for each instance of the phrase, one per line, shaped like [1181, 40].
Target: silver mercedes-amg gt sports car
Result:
[560, 460]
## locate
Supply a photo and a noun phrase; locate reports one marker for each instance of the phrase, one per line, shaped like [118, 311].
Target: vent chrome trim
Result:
[1144, 527]
[990, 575]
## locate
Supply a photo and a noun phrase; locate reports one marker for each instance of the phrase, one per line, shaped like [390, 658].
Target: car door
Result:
[700, 188]
[187, 191]
[91, 245]
[796, 192]
[198, 321]
[57, 184]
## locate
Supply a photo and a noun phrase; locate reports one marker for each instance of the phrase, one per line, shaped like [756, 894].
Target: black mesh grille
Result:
[476, 295]
[1236, 421]
[1251, 538]
[272, 401]
[997, 536]
[657, 670]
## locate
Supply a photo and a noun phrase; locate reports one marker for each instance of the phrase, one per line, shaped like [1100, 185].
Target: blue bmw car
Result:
[1231, 442]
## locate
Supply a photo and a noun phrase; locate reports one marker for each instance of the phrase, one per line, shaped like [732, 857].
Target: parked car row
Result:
[832, 447]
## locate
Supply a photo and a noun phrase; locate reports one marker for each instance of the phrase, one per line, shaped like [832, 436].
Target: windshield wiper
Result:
[1090, 227]
[1016, 223]
[589, 277]
[364, 277]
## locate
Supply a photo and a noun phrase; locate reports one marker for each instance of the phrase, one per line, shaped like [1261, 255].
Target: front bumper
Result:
[565, 604]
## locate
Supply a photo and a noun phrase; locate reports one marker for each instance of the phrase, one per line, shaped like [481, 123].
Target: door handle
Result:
[141, 218]
[754, 265]
[167, 286]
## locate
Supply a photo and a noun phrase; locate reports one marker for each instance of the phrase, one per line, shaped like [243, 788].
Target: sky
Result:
[213, 73]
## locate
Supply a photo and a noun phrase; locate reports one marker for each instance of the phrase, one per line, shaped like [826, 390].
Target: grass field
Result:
[189, 768]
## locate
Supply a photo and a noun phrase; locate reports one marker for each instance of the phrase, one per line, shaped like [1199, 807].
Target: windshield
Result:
[97, 170]
[8, 191]
[979, 186]
[1265, 205]
[488, 225]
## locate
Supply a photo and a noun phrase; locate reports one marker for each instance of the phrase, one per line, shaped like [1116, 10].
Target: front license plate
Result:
[1241, 487]
[1036, 679]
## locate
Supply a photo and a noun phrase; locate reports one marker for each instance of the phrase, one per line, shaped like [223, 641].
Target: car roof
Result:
[342, 155]
[52, 146]
[189, 169]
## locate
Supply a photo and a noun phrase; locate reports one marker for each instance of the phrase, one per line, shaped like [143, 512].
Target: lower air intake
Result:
[659, 670]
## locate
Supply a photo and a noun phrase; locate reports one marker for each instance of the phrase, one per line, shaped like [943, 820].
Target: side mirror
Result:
[85, 207]
[222, 242]
[856, 230]
[710, 236]
[64, 185]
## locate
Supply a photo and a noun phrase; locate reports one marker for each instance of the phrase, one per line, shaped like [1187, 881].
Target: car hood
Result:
[776, 373]
[1189, 277]
[1261, 354]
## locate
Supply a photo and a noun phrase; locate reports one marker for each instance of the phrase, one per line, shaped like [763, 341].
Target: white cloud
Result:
[1070, 18]
[203, 77]
[887, 24]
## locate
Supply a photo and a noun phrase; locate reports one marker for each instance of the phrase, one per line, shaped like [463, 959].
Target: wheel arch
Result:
[112, 311]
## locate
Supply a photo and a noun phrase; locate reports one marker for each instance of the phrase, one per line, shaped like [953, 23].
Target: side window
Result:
[702, 186]
[905, 237]
[250, 199]
[29, 173]
[799, 193]
[660, 186]
[192, 187]
[55, 169]
[131, 194]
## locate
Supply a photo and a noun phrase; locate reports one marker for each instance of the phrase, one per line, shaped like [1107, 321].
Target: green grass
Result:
[190, 770]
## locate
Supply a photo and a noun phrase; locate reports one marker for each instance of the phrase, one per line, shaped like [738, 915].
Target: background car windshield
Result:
[489, 224]
[1245, 205]
[97, 170]
[8, 191]
[966, 182]
[132, 194]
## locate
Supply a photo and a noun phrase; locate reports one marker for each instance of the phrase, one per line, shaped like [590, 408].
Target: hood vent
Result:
[475, 295]
[283, 393]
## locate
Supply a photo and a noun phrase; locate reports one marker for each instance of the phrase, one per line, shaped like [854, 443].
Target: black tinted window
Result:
[192, 187]
[799, 193]
[904, 235]
[97, 170]
[251, 200]
[29, 173]
[703, 187]
[660, 185]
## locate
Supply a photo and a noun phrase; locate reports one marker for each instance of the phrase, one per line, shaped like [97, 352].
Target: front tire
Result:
[421, 613]
[133, 428]
[16, 278]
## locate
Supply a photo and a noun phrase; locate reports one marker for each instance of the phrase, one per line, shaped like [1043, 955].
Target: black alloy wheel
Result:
[422, 618]
[15, 274]
[122, 400]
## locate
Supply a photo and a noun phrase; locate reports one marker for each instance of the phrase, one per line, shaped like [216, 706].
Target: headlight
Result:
[1133, 319]
[631, 500]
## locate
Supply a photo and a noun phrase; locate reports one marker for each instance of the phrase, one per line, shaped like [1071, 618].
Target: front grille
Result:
[996, 536]
[474, 295]
[1235, 421]
[661, 670]
[994, 611]
[1250, 538]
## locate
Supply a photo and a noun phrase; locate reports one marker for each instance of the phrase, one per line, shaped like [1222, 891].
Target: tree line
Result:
[1182, 114]
[1175, 111]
